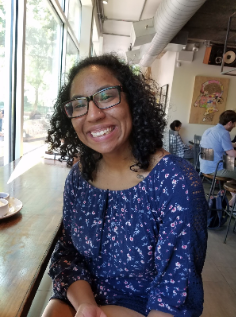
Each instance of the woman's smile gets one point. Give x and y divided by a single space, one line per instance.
99 133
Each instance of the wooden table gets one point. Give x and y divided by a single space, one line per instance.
28 238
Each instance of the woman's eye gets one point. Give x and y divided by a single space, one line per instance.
78 105
104 96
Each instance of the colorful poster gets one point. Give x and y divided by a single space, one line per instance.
209 99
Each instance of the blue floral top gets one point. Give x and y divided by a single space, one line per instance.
143 247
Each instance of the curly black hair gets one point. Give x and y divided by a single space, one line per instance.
148 117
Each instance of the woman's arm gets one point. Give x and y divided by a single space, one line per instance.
180 252
79 293
68 266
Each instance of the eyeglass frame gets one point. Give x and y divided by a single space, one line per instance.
90 98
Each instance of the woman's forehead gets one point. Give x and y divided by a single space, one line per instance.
95 71
91 78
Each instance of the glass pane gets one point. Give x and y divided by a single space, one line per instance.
42 70
74 16
95 40
62 4
72 53
2 70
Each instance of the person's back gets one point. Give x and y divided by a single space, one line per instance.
216 138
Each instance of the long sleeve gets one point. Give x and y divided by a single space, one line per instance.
67 265
180 252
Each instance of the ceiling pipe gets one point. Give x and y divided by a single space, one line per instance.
169 19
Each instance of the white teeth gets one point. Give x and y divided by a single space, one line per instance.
100 133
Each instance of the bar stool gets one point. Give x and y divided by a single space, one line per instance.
208 154
230 187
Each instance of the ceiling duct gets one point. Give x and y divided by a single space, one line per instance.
169 19
176 45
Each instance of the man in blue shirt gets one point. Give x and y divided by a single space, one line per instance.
218 139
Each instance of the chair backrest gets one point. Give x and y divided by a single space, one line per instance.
197 139
172 142
196 148
206 154
228 162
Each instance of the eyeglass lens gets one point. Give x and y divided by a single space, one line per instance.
103 99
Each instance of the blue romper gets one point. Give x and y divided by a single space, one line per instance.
143 247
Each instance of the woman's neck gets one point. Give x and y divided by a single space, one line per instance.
117 162
115 173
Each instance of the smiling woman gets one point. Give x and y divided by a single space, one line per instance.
134 226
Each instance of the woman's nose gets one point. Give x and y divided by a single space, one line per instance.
94 113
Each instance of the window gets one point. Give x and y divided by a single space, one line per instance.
72 53
95 40
62 4
74 17
38 42
42 70
2 78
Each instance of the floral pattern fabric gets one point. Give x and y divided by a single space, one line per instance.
142 248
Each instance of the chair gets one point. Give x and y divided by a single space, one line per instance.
230 187
172 142
228 164
208 154
196 148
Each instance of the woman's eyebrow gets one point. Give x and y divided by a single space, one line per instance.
99 89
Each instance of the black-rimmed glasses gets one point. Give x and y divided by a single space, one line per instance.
103 99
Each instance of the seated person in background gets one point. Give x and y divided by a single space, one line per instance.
183 150
218 139
134 225
234 142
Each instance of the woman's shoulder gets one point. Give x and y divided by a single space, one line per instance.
175 166
164 158
74 174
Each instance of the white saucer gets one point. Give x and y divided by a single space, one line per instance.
15 205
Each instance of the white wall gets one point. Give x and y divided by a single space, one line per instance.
182 91
163 70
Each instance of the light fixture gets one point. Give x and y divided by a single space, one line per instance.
105 1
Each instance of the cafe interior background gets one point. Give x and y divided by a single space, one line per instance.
169 41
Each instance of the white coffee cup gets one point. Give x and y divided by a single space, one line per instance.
4 207
4 196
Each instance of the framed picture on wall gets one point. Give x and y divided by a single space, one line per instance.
209 99
162 94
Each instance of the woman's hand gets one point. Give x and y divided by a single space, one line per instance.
89 310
